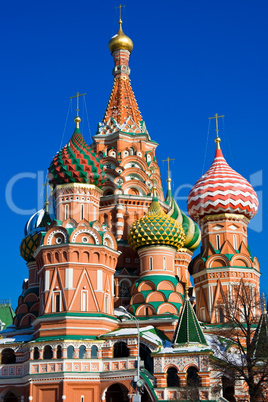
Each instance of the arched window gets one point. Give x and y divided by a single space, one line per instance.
48 354
8 356
66 211
59 352
164 263
218 242
193 377
82 352
36 354
94 352
70 352
124 289
150 263
131 151
121 349
172 377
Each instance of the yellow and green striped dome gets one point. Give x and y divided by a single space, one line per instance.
156 228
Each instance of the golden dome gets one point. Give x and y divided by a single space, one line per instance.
120 41
156 228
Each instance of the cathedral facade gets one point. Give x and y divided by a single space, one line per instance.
108 312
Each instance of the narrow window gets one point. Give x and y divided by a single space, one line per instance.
99 280
36 277
82 398
82 352
66 211
82 211
106 304
146 311
56 304
235 241
59 352
47 281
218 241
150 263
84 300
94 352
164 263
69 278
70 352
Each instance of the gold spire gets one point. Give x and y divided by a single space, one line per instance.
120 40
217 139
186 291
47 196
168 170
77 119
154 186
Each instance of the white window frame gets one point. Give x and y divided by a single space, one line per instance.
235 241
82 211
150 263
69 278
66 211
164 263
56 293
84 302
47 281
218 242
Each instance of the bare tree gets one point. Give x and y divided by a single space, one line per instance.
241 353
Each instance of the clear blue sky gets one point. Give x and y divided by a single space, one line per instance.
191 59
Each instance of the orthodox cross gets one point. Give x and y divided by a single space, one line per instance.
77 100
168 160
120 9
217 128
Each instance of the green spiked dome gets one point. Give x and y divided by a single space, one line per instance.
156 228
76 163
191 229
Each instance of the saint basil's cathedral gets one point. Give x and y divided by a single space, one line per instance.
108 312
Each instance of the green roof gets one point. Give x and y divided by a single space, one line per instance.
6 314
188 329
261 337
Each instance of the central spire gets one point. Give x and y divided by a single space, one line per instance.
122 112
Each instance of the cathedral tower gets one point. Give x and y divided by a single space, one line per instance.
222 202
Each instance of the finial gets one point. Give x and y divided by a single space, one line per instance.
168 178
120 15
264 304
217 139
77 119
154 186
186 291
47 196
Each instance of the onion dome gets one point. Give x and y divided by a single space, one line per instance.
221 190
33 228
156 228
76 163
120 41
191 229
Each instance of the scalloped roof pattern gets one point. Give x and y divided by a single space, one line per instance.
222 190
76 163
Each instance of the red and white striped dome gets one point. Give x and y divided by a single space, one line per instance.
222 190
